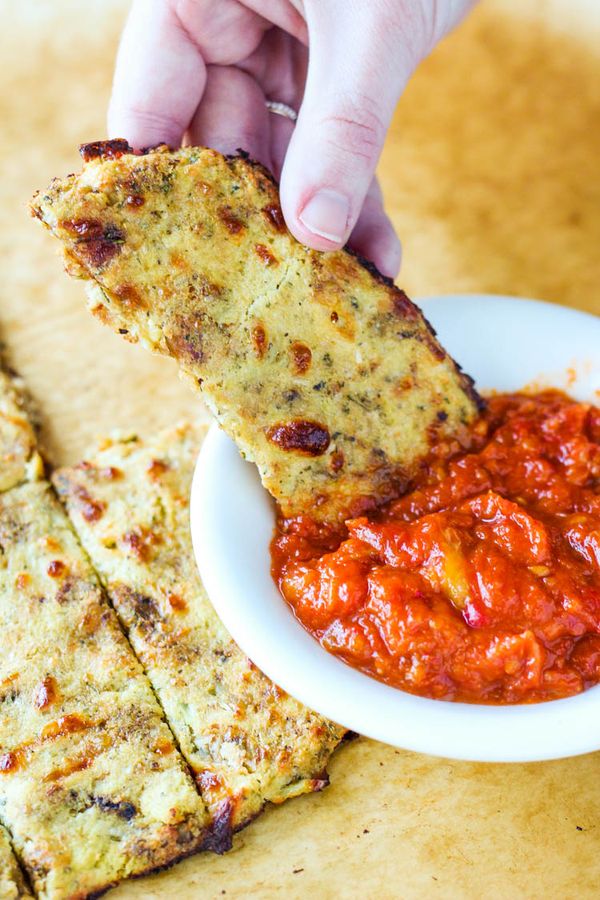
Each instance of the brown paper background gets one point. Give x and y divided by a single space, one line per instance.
491 173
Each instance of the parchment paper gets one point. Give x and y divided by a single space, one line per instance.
491 173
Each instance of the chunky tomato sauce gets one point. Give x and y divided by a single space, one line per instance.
482 583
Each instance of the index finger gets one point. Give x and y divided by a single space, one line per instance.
159 78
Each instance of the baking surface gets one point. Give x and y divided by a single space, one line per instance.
490 173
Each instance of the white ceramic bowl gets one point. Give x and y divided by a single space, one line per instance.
504 343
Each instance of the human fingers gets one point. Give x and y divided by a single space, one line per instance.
361 56
232 115
160 71
374 236
284 14
159 78
279 65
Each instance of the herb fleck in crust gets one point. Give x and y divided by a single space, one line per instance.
20 460
12 883
188 252
245 740
92 786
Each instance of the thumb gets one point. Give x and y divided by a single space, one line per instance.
357 71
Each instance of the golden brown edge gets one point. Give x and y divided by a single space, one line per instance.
22 880
219 839
396 293
220 830
163 852
26 402
220 835
117 147
151 870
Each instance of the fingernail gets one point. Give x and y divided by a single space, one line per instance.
326 215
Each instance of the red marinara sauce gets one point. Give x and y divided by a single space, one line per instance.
482 583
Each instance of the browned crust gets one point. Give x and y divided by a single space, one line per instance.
118 147
165 859
151 870
19 875
466 381
332 487
220 837
25 399
220 840
105 149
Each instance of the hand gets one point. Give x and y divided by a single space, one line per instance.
203 69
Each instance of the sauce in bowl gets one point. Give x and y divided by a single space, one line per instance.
481 584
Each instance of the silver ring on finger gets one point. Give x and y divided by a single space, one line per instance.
281 109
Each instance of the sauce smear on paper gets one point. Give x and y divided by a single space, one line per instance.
482 583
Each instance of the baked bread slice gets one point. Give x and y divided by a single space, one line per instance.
322 371
19 457
12 883
92 786
246 741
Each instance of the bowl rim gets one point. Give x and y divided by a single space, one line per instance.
233 568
